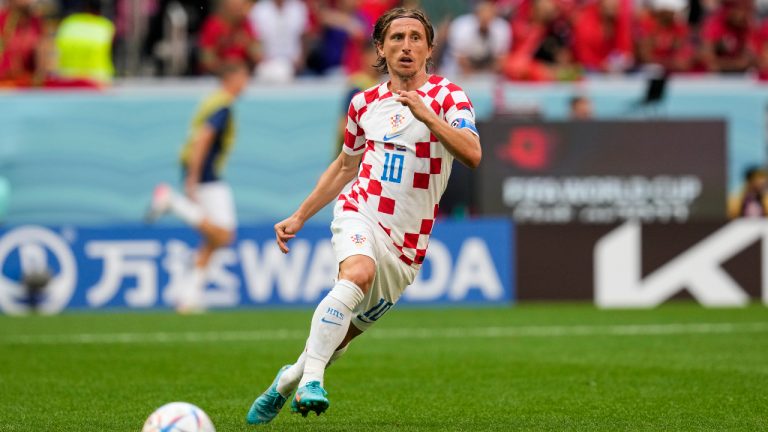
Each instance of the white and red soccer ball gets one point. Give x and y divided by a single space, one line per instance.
177 417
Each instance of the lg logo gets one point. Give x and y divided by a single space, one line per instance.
34 248
618 266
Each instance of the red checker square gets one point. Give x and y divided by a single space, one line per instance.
435 107
426 226
411 240
420 181
371 95
463 105
365 171
435 90
348 206
448 102
435 165
349 139
420 255
374 187
423 149
406 260
386 230
387 205
364 194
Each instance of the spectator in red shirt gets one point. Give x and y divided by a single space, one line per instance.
602 39
663 36
373 9
21 42
726 38
541 44
760 48
227 37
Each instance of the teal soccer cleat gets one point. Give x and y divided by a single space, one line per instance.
268 404
311 397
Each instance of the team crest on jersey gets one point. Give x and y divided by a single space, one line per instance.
396 121
358 239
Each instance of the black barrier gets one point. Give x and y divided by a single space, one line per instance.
602 172
630 265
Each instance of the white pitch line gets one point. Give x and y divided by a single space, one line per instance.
402 333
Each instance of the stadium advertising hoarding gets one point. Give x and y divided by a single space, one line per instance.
141 267
603 172
639 266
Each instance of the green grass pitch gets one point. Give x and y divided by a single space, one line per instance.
529 367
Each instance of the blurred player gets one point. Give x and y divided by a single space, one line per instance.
207 202
751 201
401 139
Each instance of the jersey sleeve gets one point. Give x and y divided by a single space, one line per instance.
218 120
354 135
458 110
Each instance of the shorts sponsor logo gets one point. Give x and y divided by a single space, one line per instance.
358 239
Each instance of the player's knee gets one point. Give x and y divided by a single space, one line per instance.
360 272
222 238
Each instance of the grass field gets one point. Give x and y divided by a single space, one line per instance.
533 367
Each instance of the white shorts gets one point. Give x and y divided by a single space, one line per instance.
354 234
218 205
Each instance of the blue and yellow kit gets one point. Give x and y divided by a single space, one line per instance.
215 111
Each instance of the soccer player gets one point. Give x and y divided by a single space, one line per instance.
401 139
207 202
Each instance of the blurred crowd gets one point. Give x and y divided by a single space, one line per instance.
88 42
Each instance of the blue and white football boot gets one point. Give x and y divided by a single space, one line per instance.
268 405
310 397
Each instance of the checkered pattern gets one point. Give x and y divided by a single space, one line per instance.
403 199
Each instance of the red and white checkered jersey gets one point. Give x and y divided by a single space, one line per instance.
404 168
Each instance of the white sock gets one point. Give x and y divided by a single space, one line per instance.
289 380
329 326
186 209
193 295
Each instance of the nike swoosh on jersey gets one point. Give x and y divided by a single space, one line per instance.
387 138
329 322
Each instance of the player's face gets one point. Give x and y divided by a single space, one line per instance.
238 81
406 48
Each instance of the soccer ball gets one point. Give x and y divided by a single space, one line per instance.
178 417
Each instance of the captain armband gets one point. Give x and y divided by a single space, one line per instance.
462 123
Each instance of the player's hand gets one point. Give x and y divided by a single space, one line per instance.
418 108
286 230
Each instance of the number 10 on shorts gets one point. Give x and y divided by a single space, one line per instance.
393 167
374 313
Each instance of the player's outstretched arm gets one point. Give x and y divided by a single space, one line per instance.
463 144
336 176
